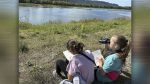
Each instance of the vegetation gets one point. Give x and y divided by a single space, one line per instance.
80 4
23 47
46 42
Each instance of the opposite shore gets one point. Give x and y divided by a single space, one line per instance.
72 5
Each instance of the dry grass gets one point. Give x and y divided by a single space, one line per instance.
45 43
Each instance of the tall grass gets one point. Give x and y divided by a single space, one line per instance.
87 31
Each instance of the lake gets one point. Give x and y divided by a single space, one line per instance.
39 15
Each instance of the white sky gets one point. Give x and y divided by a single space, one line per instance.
119 2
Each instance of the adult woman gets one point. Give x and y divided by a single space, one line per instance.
110 68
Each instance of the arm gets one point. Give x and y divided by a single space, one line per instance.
100 65
71 69
106 47
70 77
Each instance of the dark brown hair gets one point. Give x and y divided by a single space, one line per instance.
74 46
122 42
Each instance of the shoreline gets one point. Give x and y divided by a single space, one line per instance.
48 5
73 21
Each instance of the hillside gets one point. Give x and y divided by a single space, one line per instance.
83 3
96 3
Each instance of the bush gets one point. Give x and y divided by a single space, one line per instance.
23 25
23 47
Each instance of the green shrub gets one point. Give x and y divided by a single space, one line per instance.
24 25
23 47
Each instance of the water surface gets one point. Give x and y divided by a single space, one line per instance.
38 15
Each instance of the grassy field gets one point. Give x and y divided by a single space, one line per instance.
41 45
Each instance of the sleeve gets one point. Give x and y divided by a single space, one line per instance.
72 67
109 64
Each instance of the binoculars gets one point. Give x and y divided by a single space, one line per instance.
104 41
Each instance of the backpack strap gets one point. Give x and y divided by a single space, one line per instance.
88 58
95 68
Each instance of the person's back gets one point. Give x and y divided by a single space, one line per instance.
79 67
83 66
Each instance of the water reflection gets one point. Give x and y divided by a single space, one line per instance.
37 15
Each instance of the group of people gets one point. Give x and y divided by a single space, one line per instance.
81 69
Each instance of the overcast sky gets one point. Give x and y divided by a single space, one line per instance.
119 2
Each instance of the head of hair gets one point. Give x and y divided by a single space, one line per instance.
121 46
74 46
121 43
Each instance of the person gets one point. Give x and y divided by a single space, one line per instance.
79 66
60 70
110 69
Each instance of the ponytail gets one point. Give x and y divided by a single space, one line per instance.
75 46
122 47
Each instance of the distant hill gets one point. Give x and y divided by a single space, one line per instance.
96 3
83 3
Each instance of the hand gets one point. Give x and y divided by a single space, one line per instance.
100 61
106 47
70 77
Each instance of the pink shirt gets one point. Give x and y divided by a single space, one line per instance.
80 64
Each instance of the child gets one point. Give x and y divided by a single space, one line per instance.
110 69
79 65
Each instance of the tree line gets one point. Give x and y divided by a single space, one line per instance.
69 3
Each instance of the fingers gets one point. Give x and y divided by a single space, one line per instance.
99 61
